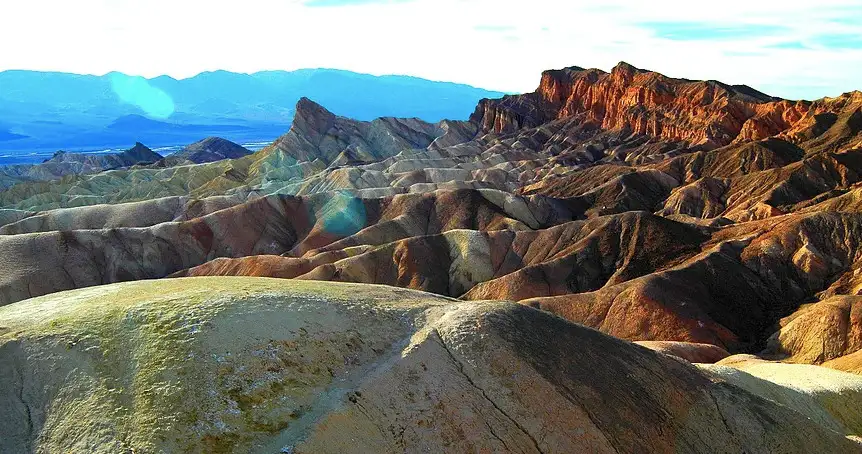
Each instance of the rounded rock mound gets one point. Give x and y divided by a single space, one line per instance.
228 364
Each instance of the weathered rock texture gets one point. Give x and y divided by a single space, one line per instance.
653 209
257 365
695 218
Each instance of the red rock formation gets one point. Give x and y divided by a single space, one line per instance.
707 114
647 207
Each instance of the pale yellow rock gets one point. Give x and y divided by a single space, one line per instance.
262 365
470 256
837 393
820 332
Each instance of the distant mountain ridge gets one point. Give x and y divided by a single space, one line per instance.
210 149
698 246
138 154
63 163
61 110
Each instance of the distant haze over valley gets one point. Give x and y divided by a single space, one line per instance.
45 111
649 240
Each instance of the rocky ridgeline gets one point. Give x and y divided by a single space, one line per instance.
619 204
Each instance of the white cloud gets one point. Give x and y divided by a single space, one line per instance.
501 44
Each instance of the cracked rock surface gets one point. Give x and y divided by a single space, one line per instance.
231 364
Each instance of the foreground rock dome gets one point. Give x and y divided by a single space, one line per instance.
237 364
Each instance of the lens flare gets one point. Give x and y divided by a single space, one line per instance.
137 91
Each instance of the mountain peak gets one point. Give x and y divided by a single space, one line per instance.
625 71
311 119
307 106
95 162
139 147
140 153
626 67
208 150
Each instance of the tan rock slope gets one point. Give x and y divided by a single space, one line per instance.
53 260
653 209
262 365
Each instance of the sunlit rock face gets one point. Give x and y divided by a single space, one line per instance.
263 365
554 211
704 114
699 220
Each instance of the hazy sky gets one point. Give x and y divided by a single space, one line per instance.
788 48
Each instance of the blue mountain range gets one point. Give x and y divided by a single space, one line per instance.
49 110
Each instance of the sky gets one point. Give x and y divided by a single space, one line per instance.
789 48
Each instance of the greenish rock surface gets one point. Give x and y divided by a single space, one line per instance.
263 365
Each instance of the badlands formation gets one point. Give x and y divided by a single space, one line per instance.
617 262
